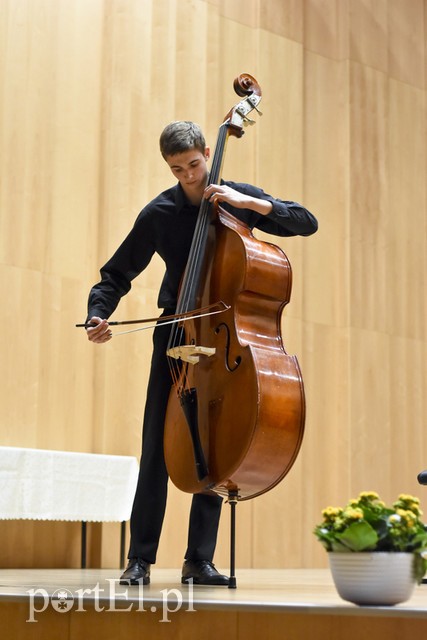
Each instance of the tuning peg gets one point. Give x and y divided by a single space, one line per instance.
247 121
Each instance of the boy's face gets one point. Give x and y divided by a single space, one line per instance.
190 169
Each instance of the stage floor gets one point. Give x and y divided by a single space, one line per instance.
281 595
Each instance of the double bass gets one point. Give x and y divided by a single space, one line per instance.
235 416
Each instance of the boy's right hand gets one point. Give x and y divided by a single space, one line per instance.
100 332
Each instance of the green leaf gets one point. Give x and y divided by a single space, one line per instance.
338 547
420 567
359 536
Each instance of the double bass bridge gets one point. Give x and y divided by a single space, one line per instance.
190 352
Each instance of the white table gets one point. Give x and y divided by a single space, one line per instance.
41 484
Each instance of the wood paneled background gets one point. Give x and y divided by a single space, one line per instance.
85 89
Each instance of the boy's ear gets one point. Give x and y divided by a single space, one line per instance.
207 153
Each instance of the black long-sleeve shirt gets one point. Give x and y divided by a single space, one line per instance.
165 226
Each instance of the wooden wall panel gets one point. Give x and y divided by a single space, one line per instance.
27 100
407 41
284 18
327 453
369 217
326 190
326 28
408 385
21 289
407 166
85 90
370 410
368 33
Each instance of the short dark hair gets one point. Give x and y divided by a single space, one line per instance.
180 136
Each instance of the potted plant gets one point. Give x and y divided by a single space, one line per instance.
376 552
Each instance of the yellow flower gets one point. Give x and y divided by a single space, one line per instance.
409 502
408 517
369 495
407 498
353 513
330 513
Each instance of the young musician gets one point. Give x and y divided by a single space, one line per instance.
165 226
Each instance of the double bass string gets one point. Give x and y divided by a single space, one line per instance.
178 332
195 259
185 302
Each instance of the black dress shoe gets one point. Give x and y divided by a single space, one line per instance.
137 572
202 572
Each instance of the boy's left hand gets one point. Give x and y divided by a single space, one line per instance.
222 193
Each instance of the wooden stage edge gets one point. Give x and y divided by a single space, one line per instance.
268 603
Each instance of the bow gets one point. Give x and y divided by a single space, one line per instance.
212 309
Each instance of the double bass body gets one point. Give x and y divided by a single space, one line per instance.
250 396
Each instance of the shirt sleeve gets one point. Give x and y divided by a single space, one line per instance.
287 218
132 257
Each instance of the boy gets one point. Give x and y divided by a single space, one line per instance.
165 226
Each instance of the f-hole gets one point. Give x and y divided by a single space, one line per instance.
238 360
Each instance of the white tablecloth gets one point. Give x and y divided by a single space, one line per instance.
40 484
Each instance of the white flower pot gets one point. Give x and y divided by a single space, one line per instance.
377 578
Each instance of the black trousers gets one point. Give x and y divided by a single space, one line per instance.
151 493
